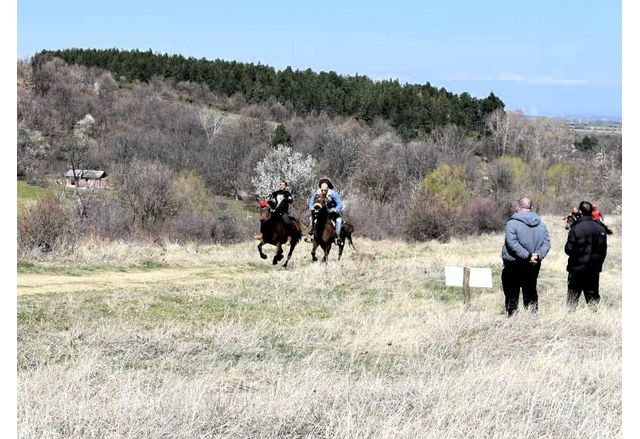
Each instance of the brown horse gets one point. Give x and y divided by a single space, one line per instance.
324 232
571 218
274 231
575 215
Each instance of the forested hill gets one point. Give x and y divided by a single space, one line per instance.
410 108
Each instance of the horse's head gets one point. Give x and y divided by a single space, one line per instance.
571 218
265 211
319 203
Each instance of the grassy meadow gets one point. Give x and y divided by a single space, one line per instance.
195 341
28 194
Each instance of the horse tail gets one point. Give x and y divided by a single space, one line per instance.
351 241
348 230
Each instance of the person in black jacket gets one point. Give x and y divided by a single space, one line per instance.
587 249
281 200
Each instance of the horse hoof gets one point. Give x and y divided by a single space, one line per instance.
263 256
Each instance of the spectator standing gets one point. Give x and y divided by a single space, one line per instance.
587 249
526 243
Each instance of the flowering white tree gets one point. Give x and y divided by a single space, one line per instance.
77 147
284 163
84 129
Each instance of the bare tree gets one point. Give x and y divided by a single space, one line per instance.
212 121
382 170
75 149
506 132
341 153
419 158
146 190
32 149
450 140
546 138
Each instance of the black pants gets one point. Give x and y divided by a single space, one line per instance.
284 214
520 275
589 283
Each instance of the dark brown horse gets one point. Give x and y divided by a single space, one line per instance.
575 215
274 231
324 232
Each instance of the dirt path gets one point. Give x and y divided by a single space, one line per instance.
33 283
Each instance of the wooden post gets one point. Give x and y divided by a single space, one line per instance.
466 291
461 277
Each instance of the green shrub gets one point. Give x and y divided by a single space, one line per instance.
517 168
446 183
189 187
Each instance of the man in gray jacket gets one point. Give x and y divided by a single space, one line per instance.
526 243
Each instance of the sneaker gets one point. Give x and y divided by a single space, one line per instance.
338 241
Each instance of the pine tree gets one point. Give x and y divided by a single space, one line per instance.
280 137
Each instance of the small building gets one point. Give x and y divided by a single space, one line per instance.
87 179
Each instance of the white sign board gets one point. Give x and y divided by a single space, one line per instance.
478 277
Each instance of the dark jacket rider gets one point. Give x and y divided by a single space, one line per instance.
280 201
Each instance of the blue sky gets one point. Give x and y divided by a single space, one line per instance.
546 57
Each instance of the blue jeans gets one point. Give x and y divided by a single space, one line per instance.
338 225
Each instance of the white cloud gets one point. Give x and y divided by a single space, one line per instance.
512 77
468 77
557 81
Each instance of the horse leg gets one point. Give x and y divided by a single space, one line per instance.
278 255
326 252
293 245
262 255
340 248
313 251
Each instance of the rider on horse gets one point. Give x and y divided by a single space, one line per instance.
280 201
334 205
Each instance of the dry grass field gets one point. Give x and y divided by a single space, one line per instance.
138 341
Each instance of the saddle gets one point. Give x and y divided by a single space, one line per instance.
313 225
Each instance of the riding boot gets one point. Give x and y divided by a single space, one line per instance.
309 238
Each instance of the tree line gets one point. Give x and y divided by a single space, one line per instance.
410 108
178 154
